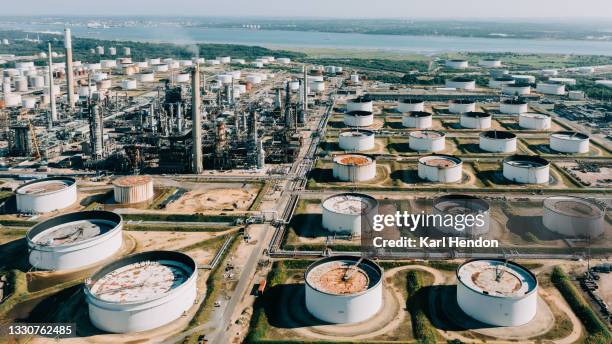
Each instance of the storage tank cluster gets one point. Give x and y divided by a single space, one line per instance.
347 212
46 195
534 121
359 104
356 140
411 104
513 106
133 189
440 168
475 120
569 142
344 289
497 292
573 216
456 64
74 240
354 167
462 83
156 288
417 119
358 118
461 106
456 204
551 88
526 169
498 141
427 140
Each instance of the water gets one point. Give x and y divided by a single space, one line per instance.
277 38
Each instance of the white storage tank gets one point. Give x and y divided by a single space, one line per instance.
354 167
348 212
550 72
85 91
513 106
183 78
465 205
427 140
534 121
154 61
107 64
332 298
74 240
36 81
462 83
317 86
294 85
490 63
516 89
359 104
569 142
104 84
417 119
475 120
456 64
225 79
133 189
411 104
498 141
358 118
501 81
461 106
440 168
254 79
356 140
551 88
239 61
157 288
46 195
497 292
526 169
160 68
573 217
524 78
28 102
283 60
129 84
146 77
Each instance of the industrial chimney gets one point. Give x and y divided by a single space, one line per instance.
196 118
69 69
53 116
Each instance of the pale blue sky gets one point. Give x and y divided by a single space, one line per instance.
317 8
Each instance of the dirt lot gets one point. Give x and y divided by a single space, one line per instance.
215 197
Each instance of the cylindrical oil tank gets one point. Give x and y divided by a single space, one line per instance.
129 84
157 288
354 78
142 64
411 104
100 76
12 100
107 64
501 81
490 63
354 167
535 121
294 85
497 292
154 61
475 120
104 84
462 83
513 106
283 60
551 88
146 77
456 64
183 78
356 140
332 299
28 102
133 189
475 212
317 86
348 212
524 78
239 61
550 72
45 195
85 91
427 140
21 84
36 81
74 240
225 78
253 79
526 169
461 106
359 104
160 68
440 168
498 141
516 90
573 216
569 142
417 119
358 118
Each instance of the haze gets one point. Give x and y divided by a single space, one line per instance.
320 8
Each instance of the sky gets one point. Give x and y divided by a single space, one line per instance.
318 8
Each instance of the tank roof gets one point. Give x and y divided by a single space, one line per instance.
45 186
419 114
360 100
427 134
357 132
353 159
514 101
350 203
570 135
412 101
497 278
499 135
141 277
460 204
440 160
574 206
526 161
534 115
462 79
132 180
462 101
359 113
478 114
339 275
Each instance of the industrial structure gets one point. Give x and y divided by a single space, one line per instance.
133 189
526 169
456 204
573 216
461 106
417 119
411 104
74 240
354 167
497 292
513 106
427 140
534 121
497 141
358 118
348 213
475 120
46 195
356 140
344 289
142 291
440 168
569 142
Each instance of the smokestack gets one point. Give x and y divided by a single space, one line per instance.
53 116
69 69
196 117
278 99
305 99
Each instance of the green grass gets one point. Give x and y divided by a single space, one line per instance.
423 330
